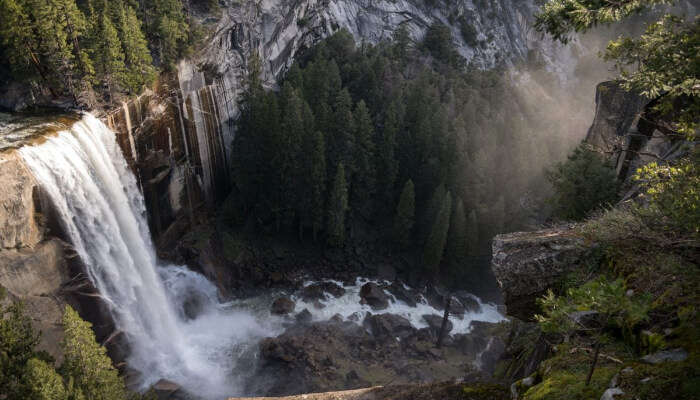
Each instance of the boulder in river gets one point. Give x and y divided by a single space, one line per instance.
282 306
317 291
304 317
389 326
408 296
373 295
435 323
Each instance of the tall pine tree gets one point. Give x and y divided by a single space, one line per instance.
364 175
435 244
405 215
136 54
337 207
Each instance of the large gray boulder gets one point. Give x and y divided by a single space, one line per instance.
372 294
526 264
18 200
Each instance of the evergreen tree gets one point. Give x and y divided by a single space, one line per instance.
404 216
430 214
289 154
44 382
435 245
20 42
457 237
169 29
337 207
472 233
316 175
387 165
17 342
364 176
86 362
136 54
341 141
110 57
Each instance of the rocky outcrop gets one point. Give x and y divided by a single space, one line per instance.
36 266
336 355
526 264
18 202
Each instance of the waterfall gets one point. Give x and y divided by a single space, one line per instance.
174 323
102 211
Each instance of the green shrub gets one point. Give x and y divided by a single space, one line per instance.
583 183
673 192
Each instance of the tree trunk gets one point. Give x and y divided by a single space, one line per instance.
445 319
595 361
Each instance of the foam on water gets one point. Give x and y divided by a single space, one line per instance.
349 304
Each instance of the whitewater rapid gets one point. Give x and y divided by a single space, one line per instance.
174 322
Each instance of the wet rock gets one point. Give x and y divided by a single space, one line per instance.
402 294
304 317
374 296
389 325
355 317
336 318
611 393
526 264
435 323
673 355
165 389
318 290
282 306
466 301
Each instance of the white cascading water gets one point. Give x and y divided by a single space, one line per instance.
172 318
84 173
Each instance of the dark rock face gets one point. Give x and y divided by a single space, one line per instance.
408 296
374 296
616 111
526 264
282 306
317 291
323 356
435 323
304 317
391 326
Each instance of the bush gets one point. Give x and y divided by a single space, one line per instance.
583 183
673 192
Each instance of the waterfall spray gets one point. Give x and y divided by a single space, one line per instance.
102 211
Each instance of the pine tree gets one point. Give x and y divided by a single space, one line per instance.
43 381
387 164
168 28
86 362
110 58
316 175
431 212
337 207
404 216
472 234
289 154
342 135
435 245
17 342
457 237
21 44
364 175
136 54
